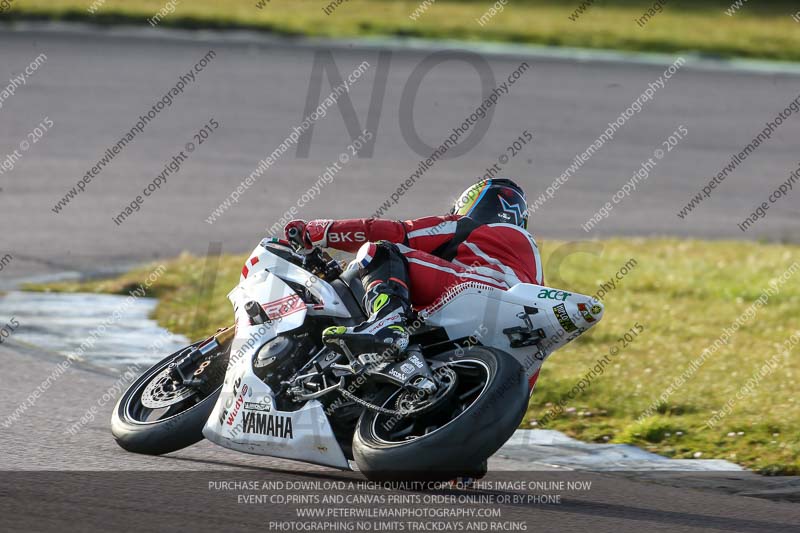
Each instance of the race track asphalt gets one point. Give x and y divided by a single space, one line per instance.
51 479
95 84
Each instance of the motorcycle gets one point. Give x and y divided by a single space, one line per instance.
267 385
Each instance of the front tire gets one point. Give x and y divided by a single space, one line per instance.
488 406
156 431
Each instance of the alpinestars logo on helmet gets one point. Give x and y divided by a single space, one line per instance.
509 210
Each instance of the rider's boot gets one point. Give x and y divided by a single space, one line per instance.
384 273
384 331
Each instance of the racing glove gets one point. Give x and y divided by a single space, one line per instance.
295 231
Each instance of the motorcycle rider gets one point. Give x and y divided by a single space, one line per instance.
483 241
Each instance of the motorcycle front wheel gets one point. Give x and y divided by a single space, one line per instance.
157 416
455 438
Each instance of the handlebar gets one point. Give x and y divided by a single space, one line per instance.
321 264
315 259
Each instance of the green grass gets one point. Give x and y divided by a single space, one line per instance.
683 292
760 29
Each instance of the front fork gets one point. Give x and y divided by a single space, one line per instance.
201 358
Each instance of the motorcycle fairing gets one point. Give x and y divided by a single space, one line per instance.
245 418
482 313
262 259
253 425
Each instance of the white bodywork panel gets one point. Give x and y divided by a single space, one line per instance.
481 313
245 418
245 395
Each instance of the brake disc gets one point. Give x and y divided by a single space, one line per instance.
163 392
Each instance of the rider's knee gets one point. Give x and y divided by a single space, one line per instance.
371 253
366 254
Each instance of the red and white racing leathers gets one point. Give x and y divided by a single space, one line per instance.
442 252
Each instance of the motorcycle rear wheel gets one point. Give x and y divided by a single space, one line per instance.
452 440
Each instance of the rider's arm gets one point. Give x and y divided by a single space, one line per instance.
429 233
349 234
425 234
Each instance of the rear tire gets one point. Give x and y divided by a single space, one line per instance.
178 429
459 446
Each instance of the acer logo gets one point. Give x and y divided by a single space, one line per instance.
347 236
554 294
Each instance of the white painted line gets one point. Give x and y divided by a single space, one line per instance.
547 449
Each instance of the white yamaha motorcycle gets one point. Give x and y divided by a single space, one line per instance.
268 386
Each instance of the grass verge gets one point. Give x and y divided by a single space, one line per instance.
757 30
683 293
